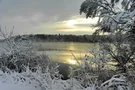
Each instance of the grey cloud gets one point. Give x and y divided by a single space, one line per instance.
26 14
61 8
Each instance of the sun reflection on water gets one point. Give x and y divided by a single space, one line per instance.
71 61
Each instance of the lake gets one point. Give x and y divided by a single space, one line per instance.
66 52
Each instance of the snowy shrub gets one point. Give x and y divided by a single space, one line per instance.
117 82
40 81
19 52
84 74
84 77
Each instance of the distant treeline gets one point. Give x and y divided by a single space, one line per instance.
67 38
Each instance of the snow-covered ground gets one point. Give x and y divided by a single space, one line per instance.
15 81
11 86
30 81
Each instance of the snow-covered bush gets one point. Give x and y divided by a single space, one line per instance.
84 76
17 53
39 80
117 82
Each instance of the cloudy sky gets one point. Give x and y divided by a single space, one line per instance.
44 16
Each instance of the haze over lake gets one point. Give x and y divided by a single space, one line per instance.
62 51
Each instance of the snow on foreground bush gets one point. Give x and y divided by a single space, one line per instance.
36 81
43 81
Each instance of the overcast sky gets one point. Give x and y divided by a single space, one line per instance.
44 16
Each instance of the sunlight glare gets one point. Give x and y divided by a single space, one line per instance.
72 61
71 22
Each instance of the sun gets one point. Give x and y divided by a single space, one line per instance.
71 22
71 61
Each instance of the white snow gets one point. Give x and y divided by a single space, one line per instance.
11 81
10 86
